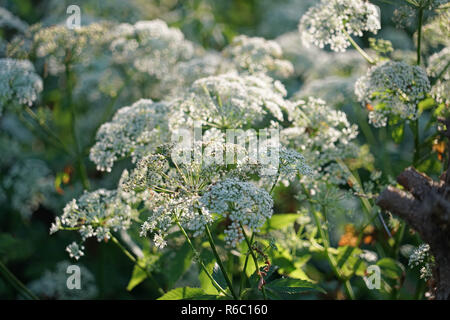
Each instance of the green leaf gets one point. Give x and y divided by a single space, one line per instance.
390 268
12 248
293 286
279 221
349 262
398 133
219 277
137 277
176 263
188 293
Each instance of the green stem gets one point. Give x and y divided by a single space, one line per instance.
244 269
16 283
419 35
80 162
219 262
136 262
275 182
330 258
359 49
199 261
399 238
255 259
415 130
47 130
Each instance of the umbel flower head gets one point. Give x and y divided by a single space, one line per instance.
255 55
392 89
134 131
241 202
210 63
31 184
177 178
59 45
174 178
331 22
322 135
19 83
231 101
95 214
150 46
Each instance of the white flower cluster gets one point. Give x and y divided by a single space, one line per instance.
95 214
438 67
53 284
256 55
436 33
150 46
231 101
322 135
173 186
240 202
134 131
31 184
331 22
210 63
421 256
19 83
60 45
182 190
8 20
75 250
392 89
432 4
291 164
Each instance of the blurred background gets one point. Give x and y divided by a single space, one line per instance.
37 180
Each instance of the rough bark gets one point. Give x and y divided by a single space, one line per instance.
425 205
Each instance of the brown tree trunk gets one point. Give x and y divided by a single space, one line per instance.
425 205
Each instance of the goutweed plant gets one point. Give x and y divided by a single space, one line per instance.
249 169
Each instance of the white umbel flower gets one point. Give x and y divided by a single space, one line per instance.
75 250
231 101
240 202
331 22
19 83
134 131
31 184
95 214
255 55
150 46
392 89
322 135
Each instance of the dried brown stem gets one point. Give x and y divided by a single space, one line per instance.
425 205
